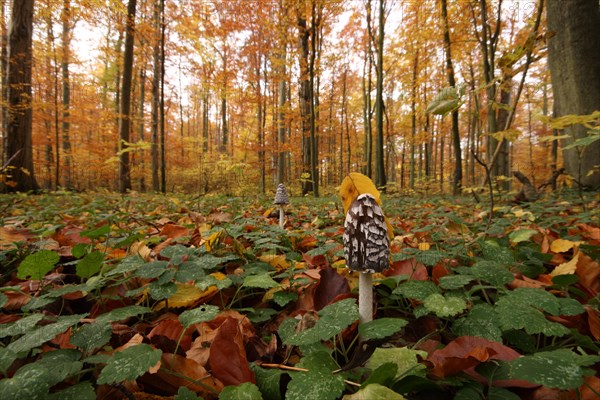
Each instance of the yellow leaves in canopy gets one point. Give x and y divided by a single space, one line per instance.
355 184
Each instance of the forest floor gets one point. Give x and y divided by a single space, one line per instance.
171 296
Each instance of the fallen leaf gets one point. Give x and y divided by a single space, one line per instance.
279 261
177 371
467 352
227 360
330 286
566 268
562 245
593 318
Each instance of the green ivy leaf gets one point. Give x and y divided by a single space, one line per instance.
385 375
406 360
452 282
44 333
26 384
35 266
282 298
481 321
80 391
491 272
162 291
184 393
560 369
245 391
122 313
521 235
153 269
262 281
333 319
381 328
90 264
21 326
97 232
319 382
92 336
127 265
445 306
268 381
129 364
374 391
418 290
205 312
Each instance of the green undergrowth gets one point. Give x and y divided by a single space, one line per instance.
114 296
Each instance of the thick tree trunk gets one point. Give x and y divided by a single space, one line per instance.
19 158
574 60
125 114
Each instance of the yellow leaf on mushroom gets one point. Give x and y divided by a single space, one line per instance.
355 184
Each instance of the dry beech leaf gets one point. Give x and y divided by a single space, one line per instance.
228 362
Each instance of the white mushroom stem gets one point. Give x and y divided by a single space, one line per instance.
365 297
281 216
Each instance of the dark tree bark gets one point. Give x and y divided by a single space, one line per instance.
458 175
125 109
19 159
574 60
155 115
66 93
380 178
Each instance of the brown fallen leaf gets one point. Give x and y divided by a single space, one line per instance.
227 360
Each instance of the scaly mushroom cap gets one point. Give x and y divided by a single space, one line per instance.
281 195
366 240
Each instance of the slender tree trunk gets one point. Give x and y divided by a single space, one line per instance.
125 114
141 126
281 124
305 101
367 86
314 100
413 119
457 182
3 75
380 178
163 162
154 114
66 94
19 156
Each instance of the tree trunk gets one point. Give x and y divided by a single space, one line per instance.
305 100
281 124
66 94
457 182
380 178
367 86
155 101
574 60
19 157
125 109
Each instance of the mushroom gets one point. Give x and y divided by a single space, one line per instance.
281 199
366 248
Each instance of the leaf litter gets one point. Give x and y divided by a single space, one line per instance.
155 295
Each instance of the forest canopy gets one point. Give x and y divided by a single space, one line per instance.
228 96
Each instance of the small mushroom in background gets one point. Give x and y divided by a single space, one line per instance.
366 247
281 199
